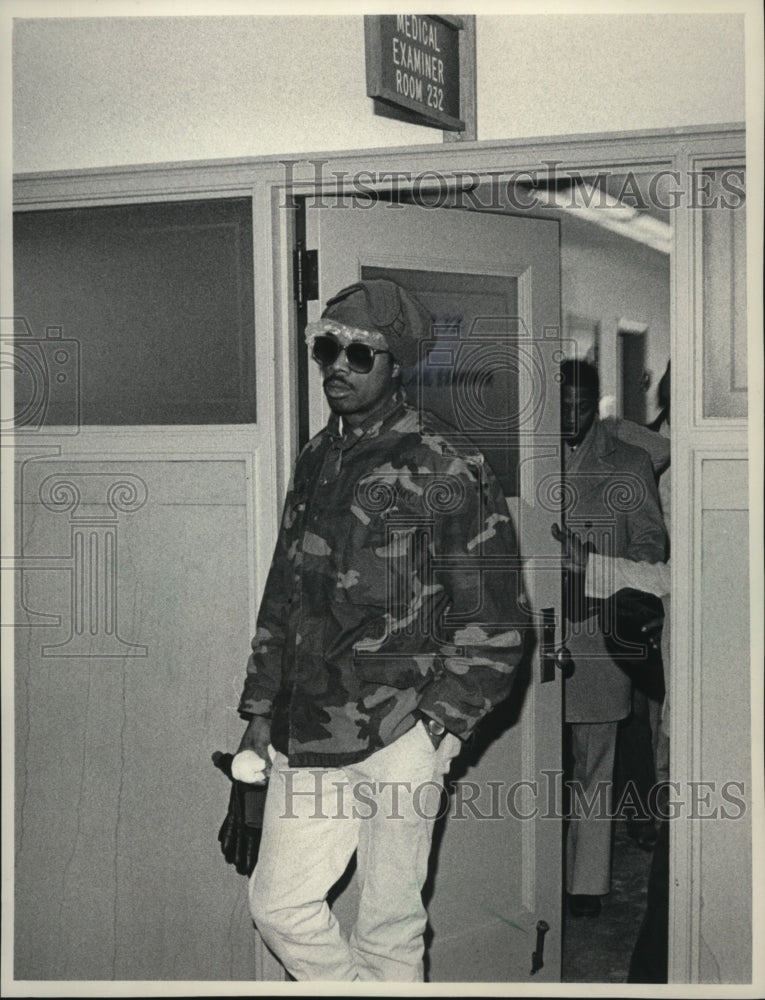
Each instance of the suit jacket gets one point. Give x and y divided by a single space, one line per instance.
611 500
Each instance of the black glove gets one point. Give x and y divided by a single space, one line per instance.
240 831
577 606
631 621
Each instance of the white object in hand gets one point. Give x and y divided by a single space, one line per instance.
249 767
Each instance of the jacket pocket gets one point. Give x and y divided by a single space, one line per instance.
383 564
398 659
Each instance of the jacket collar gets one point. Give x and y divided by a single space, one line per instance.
387 413
598 443
603 442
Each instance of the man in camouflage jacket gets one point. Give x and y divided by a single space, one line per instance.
389 627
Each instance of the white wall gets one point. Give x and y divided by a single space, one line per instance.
556 74
607 278
91 92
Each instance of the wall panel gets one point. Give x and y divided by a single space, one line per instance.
119 873
725 696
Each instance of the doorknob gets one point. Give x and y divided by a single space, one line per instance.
550 656
564 660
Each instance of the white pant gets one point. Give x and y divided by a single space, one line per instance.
588 846
315 818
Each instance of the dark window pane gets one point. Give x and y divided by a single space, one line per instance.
135 314
470 378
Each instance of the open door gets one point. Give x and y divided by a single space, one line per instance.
492 282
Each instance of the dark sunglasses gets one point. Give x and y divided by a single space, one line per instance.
360 357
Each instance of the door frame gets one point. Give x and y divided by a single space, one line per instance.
525 252
270 180
684 152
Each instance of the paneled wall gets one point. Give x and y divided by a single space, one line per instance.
725 696
712 680
723 295
128 684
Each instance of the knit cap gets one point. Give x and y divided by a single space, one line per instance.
382 306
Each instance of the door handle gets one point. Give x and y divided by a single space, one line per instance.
552 658
564 660
537 956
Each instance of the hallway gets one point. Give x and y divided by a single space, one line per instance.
599 950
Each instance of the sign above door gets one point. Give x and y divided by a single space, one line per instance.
413 68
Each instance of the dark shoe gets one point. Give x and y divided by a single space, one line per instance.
647 839
644 834
583 906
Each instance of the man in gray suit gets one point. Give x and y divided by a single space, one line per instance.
611 503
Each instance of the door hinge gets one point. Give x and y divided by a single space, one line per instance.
306 275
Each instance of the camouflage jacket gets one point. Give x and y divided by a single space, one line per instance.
394 586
